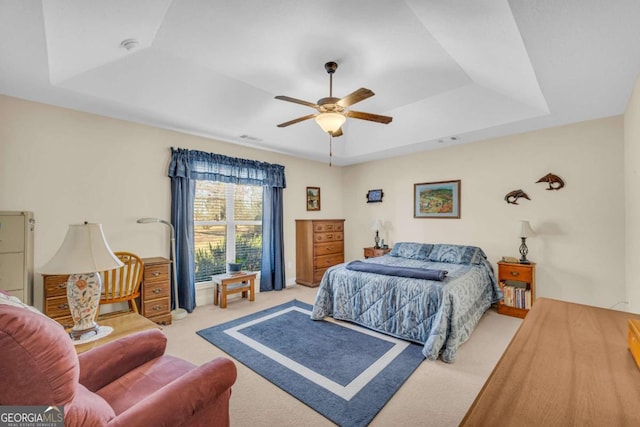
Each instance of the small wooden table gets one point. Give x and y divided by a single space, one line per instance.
122 326
227 284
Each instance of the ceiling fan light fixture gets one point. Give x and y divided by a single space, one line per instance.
330 122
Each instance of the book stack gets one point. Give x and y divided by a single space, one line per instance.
516 296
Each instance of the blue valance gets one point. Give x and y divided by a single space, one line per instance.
216 167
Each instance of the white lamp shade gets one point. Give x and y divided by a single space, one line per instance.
376 225
330 122
526 230
84 250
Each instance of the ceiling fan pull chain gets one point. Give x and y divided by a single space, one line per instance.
330 149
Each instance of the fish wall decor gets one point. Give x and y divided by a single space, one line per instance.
513 196
554 181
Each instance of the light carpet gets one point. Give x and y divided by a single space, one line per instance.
345 372
436 394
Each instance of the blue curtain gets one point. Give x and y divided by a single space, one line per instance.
183 190
272 275
186 167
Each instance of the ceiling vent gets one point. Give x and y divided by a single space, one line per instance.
250 138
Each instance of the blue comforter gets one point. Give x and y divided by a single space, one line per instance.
439 314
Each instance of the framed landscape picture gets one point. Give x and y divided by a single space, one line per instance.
436 199
313 198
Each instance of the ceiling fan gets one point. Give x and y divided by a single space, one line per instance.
333 112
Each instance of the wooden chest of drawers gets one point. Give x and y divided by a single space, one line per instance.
55 299
319 245
155 295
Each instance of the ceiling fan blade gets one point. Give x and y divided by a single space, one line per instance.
297 101
294 121
357 96
337 133
368 116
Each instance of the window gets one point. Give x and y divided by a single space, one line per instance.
227 227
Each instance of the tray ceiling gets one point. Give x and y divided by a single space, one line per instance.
448 72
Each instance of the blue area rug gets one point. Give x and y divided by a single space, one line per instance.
345 372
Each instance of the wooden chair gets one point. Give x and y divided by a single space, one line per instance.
123 283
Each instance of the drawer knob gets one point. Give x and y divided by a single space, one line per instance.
63 306
157 308
62 285
329 236
156 273
514 273
157 290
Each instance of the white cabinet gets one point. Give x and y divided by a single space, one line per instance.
16 254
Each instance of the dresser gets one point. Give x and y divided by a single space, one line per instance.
155 293
55 299
16 254
319 245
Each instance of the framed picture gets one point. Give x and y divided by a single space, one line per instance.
374 196
313 198
436 199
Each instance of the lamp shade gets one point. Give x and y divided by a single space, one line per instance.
330 122
84 250
526 230
376 225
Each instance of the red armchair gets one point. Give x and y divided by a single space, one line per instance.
127 382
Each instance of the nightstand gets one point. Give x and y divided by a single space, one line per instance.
372 252
155 291
518 284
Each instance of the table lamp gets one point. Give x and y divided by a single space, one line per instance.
177 313
376 226
525 231
83 253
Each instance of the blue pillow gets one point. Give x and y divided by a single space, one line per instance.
457 254
411 250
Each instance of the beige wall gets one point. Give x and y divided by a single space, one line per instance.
632 192
68 167
579 249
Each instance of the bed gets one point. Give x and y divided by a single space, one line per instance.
440 314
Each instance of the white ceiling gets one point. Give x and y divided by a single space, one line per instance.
463 69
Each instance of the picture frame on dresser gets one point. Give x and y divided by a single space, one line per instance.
439 199
313 198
